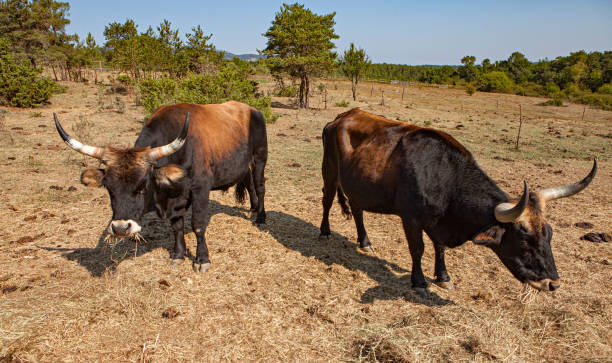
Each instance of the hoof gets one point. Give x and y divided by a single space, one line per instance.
175 261
368 249
324 237
261 218
423 292
201 267
448 285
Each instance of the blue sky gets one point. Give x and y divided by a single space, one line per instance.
406 32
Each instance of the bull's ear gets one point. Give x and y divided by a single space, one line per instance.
168 175
92 177
490 237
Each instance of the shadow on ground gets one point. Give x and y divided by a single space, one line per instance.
276 104
106 256
290 231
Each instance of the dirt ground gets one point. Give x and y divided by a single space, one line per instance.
275 292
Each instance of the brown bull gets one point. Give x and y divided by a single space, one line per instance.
433 184
219 145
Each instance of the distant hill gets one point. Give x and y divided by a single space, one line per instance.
244 57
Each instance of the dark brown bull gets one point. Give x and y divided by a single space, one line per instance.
219 145
433 184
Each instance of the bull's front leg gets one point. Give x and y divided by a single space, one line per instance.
442 278
199 221
178 253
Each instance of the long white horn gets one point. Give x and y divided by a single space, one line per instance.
568 190
509 212
161 151
93 151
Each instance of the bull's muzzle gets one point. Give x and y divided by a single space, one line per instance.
545 284
124 227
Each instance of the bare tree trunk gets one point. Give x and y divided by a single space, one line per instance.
54 74
354 89
307 92
304 90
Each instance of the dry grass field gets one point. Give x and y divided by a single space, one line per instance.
275 292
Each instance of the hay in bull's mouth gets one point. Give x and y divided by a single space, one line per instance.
112 240
528 294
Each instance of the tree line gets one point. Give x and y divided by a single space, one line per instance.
580 76
300 45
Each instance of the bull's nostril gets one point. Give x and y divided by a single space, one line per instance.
553 286
113 228
127 227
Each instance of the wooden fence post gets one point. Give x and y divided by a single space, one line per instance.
326 97
520 125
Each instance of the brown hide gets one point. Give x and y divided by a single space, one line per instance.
223 125
364 143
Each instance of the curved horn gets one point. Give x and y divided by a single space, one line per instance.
508 212
92 151
568 190
162 151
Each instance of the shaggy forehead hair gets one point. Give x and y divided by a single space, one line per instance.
126 165
533 217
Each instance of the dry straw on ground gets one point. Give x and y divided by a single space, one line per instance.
277 293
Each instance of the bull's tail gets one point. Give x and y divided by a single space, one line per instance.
346 211
241 190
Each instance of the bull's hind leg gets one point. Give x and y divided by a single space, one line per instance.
259 163
414 235
329 191
199 221
362 235
251 189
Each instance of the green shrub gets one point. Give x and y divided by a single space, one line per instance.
20 85
286 91
602 101
124 79
495 82
553 102
572 90
155 92
530 89
606 88
342 104
230 83
551 88
470 88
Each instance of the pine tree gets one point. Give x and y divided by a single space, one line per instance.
354 65
300 44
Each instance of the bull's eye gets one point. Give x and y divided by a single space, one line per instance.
140 189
